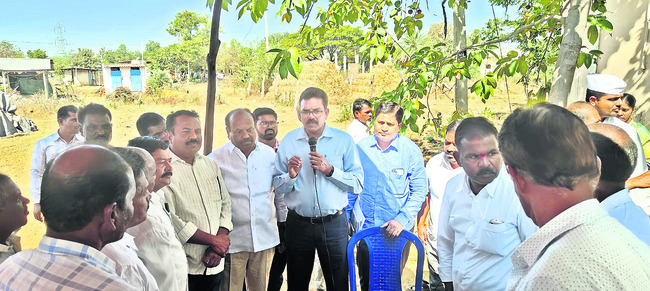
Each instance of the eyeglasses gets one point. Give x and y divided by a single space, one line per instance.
268 123
315 112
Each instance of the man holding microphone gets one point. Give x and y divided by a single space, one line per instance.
316 193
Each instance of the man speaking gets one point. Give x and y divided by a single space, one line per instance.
315 184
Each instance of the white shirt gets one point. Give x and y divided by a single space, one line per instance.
159 248
357 130
128 265
581 249
477 233
641 166
439 172
249 182
46 149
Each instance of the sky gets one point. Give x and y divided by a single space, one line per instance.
31 24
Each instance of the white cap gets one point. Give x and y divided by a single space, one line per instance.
607 84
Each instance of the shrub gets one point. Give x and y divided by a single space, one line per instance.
157 81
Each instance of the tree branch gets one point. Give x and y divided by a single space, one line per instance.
302 27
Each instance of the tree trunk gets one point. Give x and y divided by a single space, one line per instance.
574 25
212 77
460 42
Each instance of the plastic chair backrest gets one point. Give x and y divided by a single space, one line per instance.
385 259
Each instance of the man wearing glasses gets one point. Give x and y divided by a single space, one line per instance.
316 193
266 124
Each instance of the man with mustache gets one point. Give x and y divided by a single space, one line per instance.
158 247
152 124
49 147
96 127
440 169
316 193
199 198
395 182
266 124
13 216
362 111
481 221
247 168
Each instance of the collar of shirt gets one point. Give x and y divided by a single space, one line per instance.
5 247
533 248
489 188
231 148
129 241
56 246
327 132
76 137
360 123
394 144
176 158
618 198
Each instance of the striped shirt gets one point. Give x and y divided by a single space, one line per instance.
60 265
199 198
45 150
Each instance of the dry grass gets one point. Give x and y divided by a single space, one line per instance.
383 78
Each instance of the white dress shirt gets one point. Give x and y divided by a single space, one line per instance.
128 265
46 149
439 172
358 130
478 233
641 166
159 248
254 205
620 206
582 248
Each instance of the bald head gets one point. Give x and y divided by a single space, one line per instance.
585 111
616 151
79 183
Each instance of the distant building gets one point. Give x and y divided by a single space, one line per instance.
28 76
83 76
129 74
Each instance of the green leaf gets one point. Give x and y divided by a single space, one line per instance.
606 25
512 54
588 60
422 81
418 16
592 34
596 53
512 68
241 12
274 50
581 60
522 66
283 69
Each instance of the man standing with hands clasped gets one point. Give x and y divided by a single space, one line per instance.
316 195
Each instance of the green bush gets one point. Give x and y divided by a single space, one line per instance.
157 81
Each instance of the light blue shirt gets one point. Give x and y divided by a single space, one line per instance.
478 233
300 195
394 183
621 207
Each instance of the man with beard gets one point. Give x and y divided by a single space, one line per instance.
316 193
552 160
86 201
362 110
395 182
247 168
440 169
13 215
266 124
123 251
96 127
158 247
481 221
152 124
49 147
198 196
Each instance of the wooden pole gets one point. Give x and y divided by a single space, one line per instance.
212 77
47 94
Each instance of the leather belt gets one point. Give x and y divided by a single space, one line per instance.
316 220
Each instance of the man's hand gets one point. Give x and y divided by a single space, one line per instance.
294 164
37 212
319 162
211 258
422 232
220 244
641 181
393 228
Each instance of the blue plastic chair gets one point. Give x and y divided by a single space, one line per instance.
385 259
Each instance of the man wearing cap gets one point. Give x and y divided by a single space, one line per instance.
604 92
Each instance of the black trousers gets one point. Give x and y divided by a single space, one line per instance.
204 282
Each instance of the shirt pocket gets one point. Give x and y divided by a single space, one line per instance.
498 239
398 179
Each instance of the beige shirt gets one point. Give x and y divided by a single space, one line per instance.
199 198
582 248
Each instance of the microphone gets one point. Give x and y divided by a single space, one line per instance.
312 144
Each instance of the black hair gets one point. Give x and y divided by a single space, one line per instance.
313 92
64 112
474 126
171 118
93 108
147 120
593 93
390 107
135 160
617 163
263 111
359 103
148 143
629 100
453 126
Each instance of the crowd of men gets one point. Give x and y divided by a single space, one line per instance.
542 203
